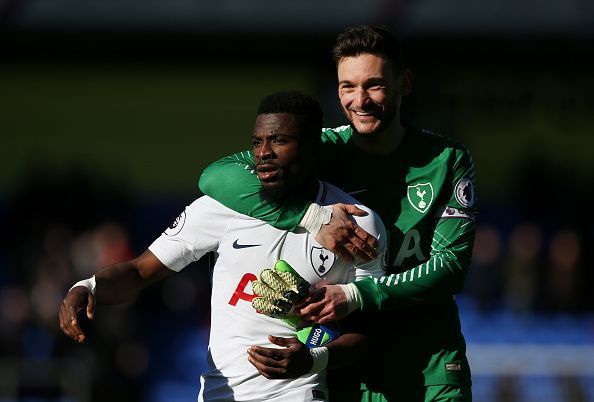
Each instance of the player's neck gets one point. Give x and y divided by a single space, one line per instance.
306 188
384 142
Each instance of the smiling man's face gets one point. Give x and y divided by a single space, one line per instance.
367 92
280 153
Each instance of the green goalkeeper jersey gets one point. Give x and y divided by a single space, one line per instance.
424 192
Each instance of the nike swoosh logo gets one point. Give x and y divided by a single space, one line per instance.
357 191
237 245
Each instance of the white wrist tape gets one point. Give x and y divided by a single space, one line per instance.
353 297
316 216
320 359
90 284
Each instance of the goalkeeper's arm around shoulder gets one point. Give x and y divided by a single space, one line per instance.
334 302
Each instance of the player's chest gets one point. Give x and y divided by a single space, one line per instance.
408 198
253 247
401 194
249 247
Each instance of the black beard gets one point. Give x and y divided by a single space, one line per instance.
307 188
274 194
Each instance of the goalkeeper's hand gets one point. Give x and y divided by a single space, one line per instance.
278 289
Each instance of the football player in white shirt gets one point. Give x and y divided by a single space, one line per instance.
286 143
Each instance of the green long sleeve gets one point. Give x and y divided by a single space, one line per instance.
232 182
439 277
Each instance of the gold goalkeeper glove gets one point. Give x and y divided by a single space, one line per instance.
278 289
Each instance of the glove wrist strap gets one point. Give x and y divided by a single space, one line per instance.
320 359
353 297
316 216
90 284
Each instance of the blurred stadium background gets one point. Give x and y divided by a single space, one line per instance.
109 110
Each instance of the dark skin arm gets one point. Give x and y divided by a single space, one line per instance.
118 283
293 359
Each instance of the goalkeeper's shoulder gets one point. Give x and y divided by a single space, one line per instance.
371 223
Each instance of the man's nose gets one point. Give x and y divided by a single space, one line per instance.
361 97
265 151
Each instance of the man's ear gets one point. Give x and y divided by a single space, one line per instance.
405 82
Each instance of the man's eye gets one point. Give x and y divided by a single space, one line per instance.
256 143
279 141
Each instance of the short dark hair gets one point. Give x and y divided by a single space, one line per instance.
306 109
377 40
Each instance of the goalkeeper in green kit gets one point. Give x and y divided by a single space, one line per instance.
422 185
